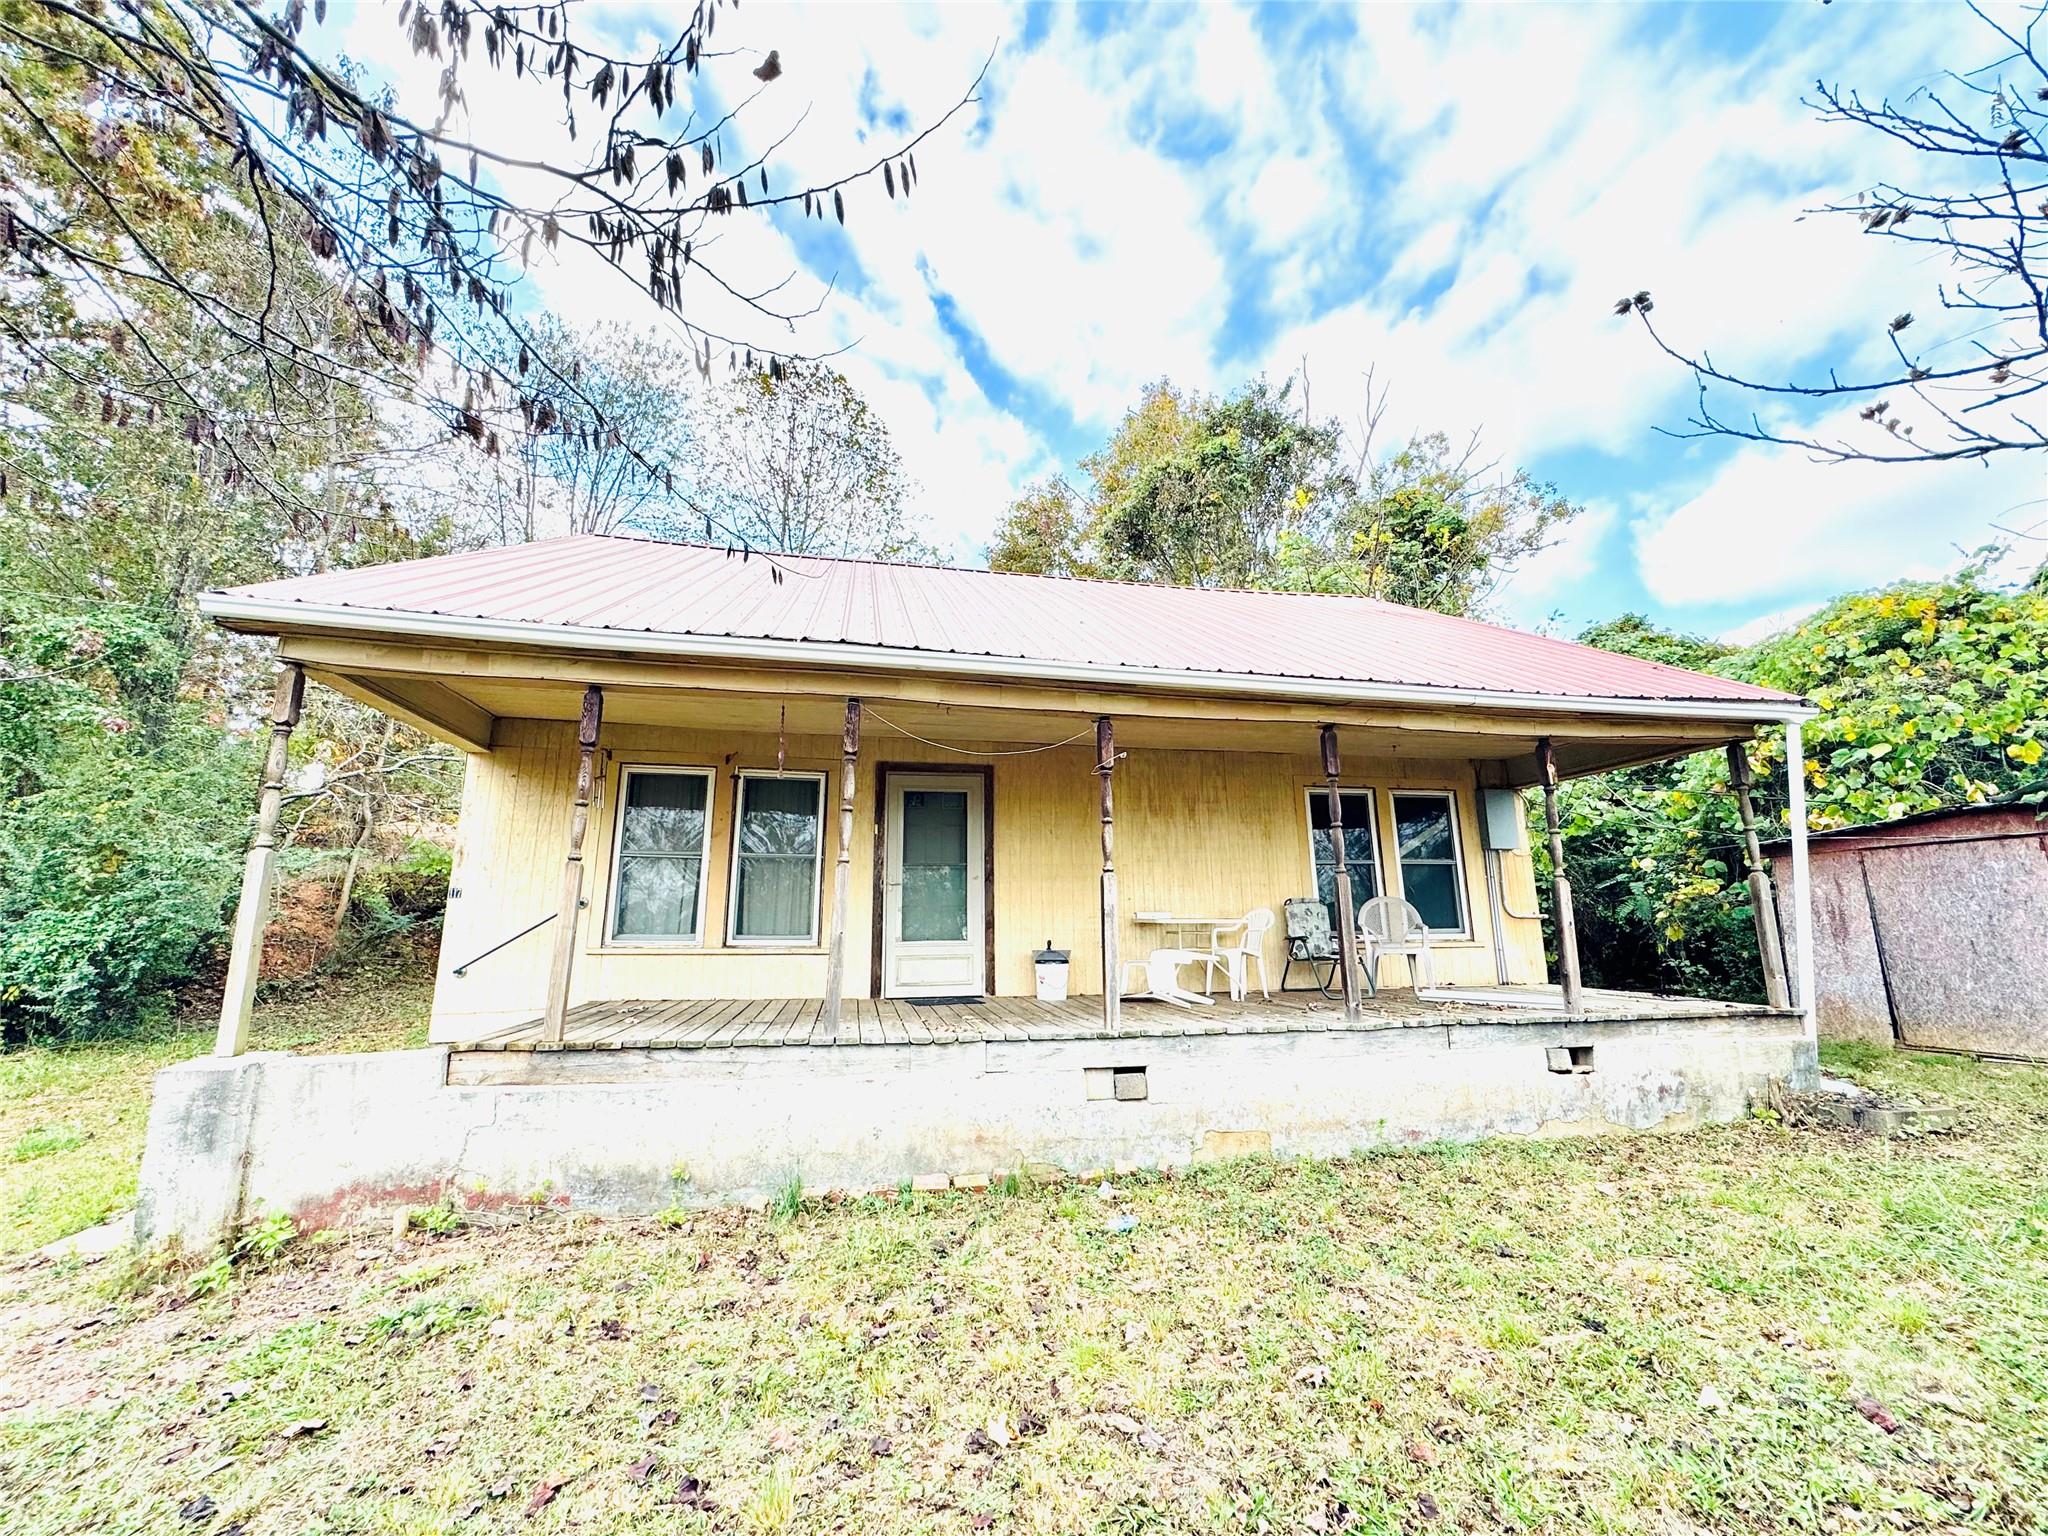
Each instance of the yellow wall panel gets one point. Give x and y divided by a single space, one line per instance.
1198 833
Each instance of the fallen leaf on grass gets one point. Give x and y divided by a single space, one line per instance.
544 1493
649 1392
1873 1410
1425 1506
881 1445
1316 1375
641 1470
1711 1399
1422 1453
201 1508
304 1427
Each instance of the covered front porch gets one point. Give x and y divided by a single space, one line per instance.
1115 826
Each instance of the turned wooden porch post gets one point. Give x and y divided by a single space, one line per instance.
842 871
1112 973
1347 926
1770 949
252 912
556 1021
1561 887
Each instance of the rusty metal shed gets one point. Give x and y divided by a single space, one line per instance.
1931 932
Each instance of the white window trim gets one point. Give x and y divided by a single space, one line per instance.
733 936
694 939
1315 835
1450 799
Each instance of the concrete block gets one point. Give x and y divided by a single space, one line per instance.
202 1118
970 1181
931 1183
1218 1145
1129 1085
1569 1058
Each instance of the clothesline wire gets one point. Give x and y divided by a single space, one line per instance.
972 752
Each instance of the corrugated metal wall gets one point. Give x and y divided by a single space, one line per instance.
1935 935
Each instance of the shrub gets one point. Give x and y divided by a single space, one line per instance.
116 872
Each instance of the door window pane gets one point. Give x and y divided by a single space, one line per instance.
1428 844
1360 856
662 823
934 865
775 873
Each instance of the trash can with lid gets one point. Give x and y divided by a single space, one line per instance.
1051 968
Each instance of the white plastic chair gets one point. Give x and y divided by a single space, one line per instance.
1388 925
1236 957
1161 973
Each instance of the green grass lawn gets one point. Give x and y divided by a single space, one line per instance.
1748 1328
72 1118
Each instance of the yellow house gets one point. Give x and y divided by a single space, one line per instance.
720 800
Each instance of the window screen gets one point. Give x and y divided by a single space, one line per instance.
1427 838
775 860
1361 856
663 821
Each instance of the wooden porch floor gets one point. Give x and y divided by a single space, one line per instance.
719 1023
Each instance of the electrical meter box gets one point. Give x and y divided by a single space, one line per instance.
1504 821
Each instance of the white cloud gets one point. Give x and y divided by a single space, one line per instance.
1550 575
1546 158
1774 522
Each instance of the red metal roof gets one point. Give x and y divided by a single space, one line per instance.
633 586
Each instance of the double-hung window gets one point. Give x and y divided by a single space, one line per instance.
778 842
1361 849
664 827
1432 879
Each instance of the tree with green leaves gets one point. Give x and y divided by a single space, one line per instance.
1250 490
1931 694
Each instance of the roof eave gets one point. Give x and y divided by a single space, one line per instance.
277 615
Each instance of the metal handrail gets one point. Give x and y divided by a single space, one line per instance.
522 933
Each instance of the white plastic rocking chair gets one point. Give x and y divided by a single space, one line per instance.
1388 925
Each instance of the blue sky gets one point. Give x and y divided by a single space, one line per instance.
1448 196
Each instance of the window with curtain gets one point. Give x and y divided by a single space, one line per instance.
776 846
1426 835
658 871
1361 854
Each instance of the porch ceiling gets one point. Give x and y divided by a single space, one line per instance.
460 696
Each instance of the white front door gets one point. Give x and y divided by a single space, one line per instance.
934 887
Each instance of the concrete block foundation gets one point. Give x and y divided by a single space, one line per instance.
336 1139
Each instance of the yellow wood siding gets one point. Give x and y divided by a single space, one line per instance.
1197 833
